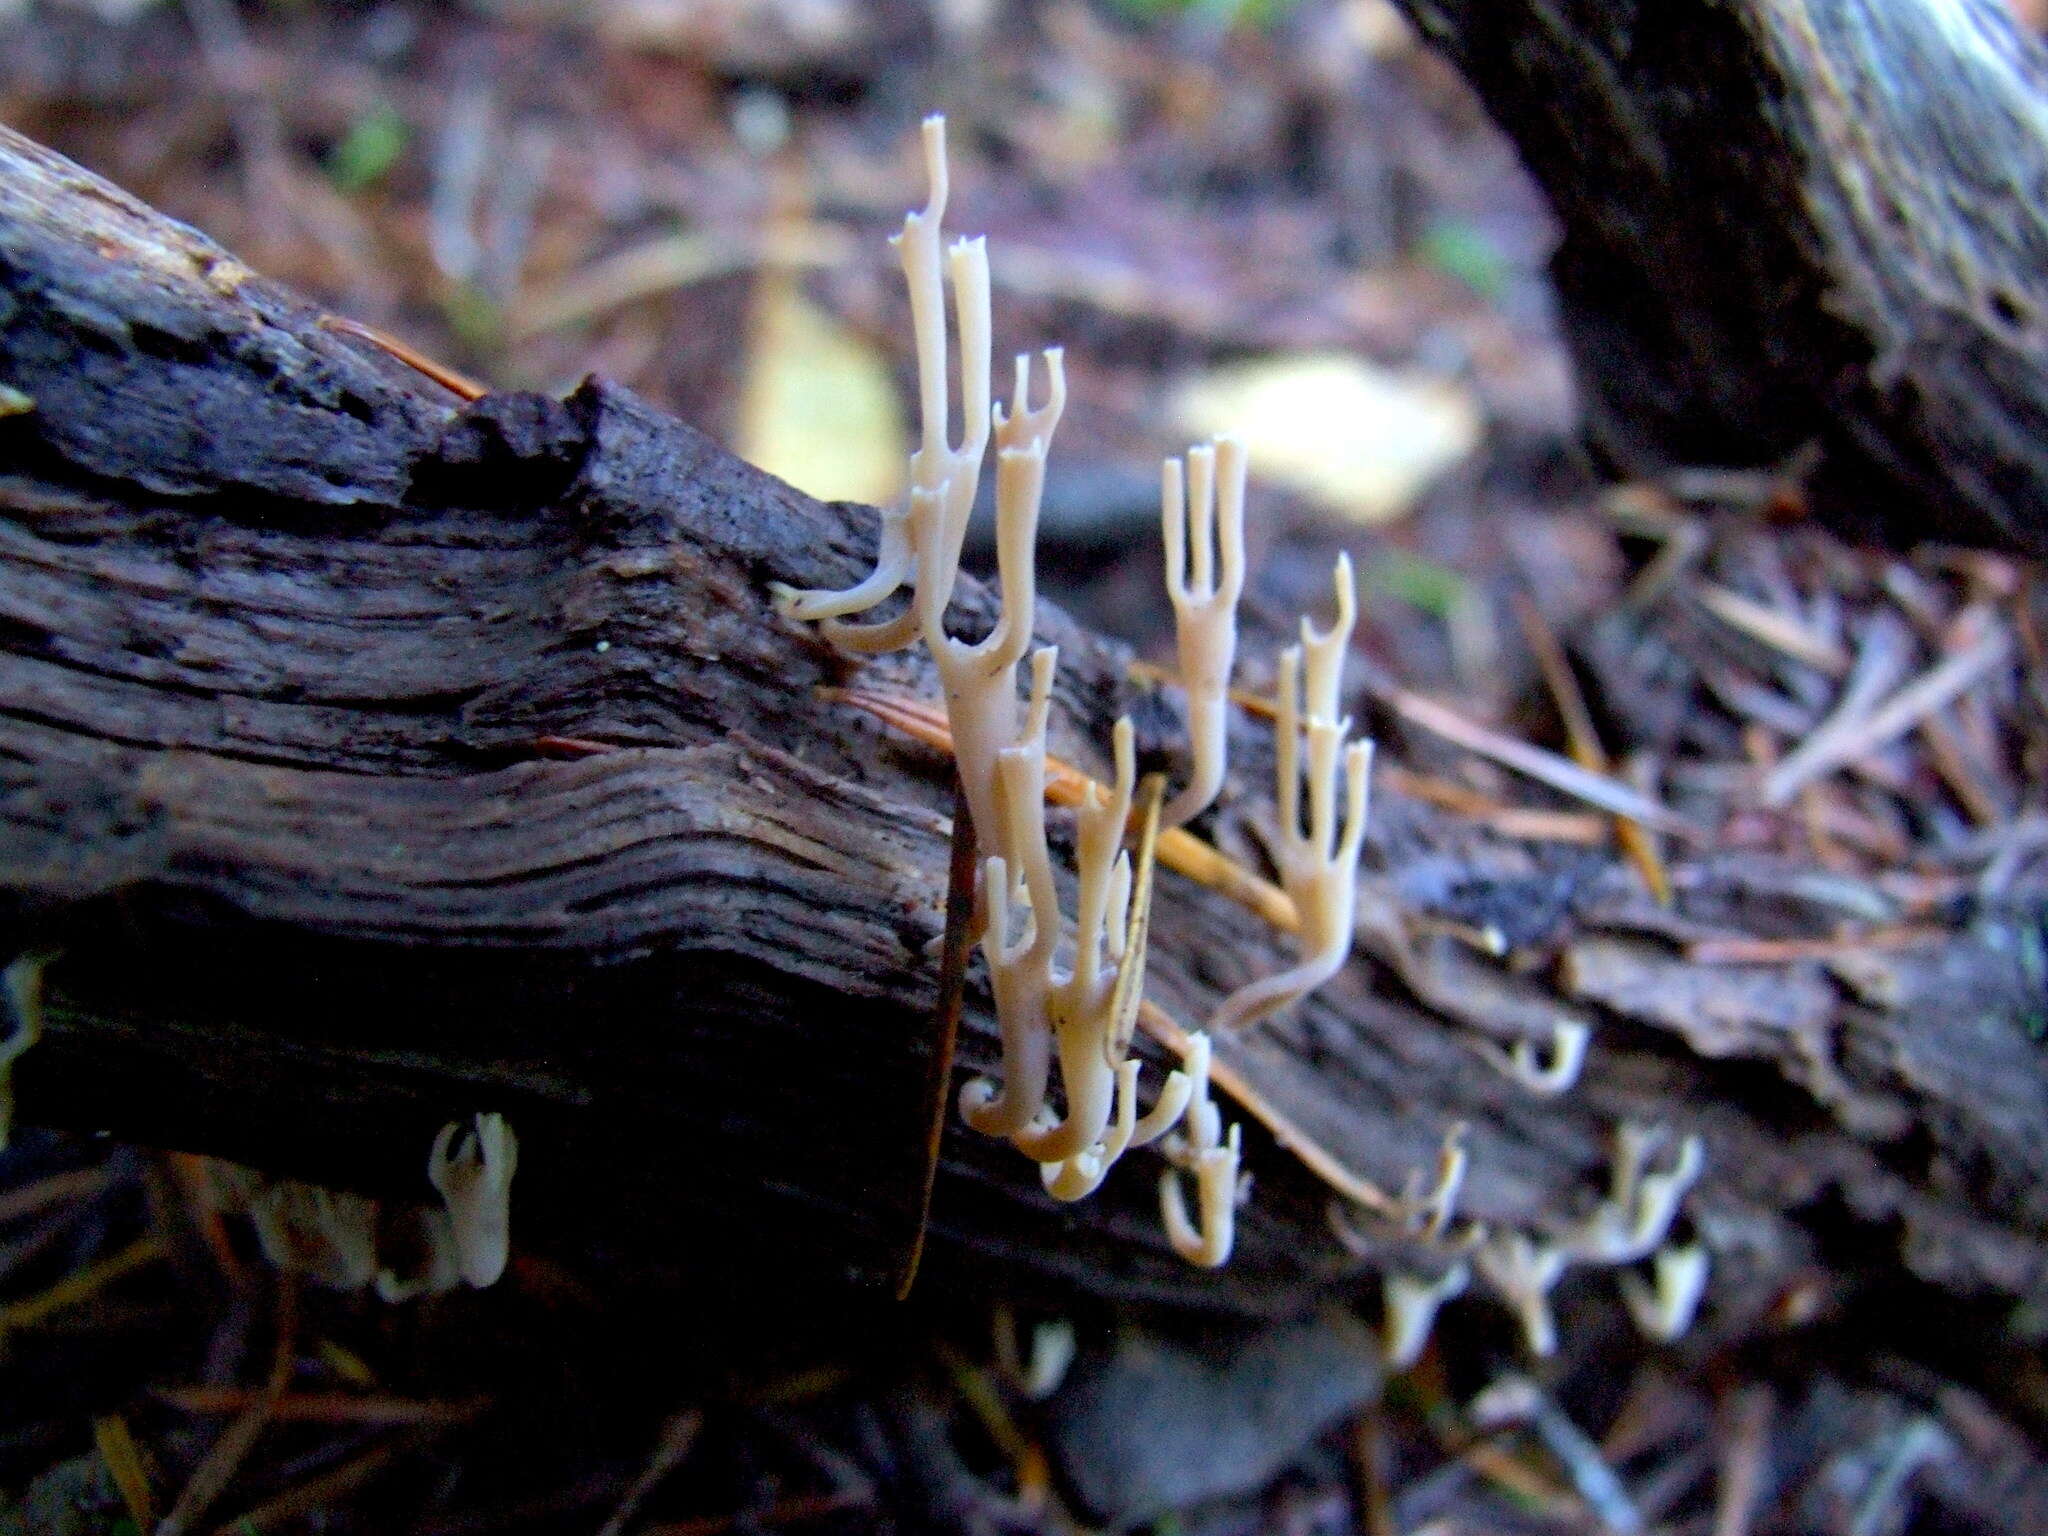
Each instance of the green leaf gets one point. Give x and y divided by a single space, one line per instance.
368 150
1435 589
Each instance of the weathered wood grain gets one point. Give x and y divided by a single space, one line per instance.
1794 222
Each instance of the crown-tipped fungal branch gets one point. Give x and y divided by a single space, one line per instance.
1318 866
1664 1307
979 678
1411 1303
947 472
1201 521
1523 1271
1079 1013
1631 1223
1030 1000
1641 1202
1569 1041
474 1178
1202 1149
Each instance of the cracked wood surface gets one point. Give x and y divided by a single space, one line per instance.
376 758
1790 223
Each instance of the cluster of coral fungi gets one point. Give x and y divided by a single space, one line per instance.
1070 994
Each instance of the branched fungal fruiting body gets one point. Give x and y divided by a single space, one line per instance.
1412 1303
329 1236
980 678
332 1237
1665 1307
1523 1272
1428 1212
1632 1222
1079 1014
474 1177
936 464
1037 1010
1569 1040
1318 865
1201 521
1203 1150
1080 1018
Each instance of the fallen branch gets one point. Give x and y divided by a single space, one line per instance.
1794 222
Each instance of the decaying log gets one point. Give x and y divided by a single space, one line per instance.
375 758
1794 222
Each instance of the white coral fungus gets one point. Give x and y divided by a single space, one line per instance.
1071 995
474 1177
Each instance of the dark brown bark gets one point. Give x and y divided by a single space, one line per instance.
296 650
1793 222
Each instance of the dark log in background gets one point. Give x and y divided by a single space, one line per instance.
291 642
1791 223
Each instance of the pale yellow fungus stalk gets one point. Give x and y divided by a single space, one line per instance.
1427 1213
474 1178
1020 968
1641 1202
1569 1041
1202 1149
1076 1013
922 542
938 468
329 1236
979 678
1665 1308
1523 1272
1411 1304
1081 1006
1318 866
1201 520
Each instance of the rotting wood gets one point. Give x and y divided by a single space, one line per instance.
1791 223
291 640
